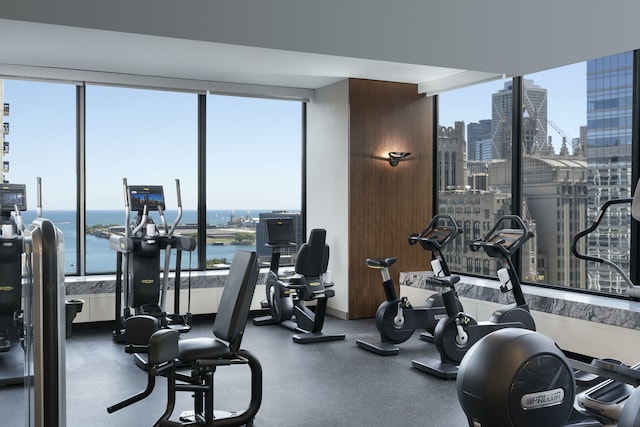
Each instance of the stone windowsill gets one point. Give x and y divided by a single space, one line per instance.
594 308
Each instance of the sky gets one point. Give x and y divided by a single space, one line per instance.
149 137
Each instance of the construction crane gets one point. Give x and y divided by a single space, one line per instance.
565 137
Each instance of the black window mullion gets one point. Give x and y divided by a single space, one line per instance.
202 182
516 159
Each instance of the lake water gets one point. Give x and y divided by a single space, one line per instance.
101 259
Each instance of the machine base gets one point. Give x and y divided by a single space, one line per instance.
12 366
437 368
426 336
312 337
380 347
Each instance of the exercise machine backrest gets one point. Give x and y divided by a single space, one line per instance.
312 259
236 299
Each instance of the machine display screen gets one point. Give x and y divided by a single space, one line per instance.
507 237
280 231
439 234
150 195
13 195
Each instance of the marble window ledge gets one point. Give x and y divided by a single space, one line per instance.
600 309
106 284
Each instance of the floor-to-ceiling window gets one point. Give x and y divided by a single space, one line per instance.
609 162
474 158
575 142
148 137
254 172
578 158
39 135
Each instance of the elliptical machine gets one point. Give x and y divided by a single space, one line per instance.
286 296
396 318
138 266
608 397
457 333
633 290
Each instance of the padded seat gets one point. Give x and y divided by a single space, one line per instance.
193 349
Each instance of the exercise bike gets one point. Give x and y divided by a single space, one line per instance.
456 334
396 318
286 295
138 253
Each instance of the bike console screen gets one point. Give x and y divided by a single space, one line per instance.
507 237
12 195
280 232
439 234
151 196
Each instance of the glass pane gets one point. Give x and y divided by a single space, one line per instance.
474 162
39 141
608 137
577 157
554 172
254 154
148 137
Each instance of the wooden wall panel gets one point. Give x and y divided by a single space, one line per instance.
386 203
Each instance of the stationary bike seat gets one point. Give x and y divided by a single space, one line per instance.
444 280
380 262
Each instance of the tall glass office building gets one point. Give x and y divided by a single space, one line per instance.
609 94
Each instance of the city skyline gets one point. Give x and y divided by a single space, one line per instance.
566 92
560 194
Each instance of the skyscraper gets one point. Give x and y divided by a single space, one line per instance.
477 132
451 157
609 99
534 123
5 131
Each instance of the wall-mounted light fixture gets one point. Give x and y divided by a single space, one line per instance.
396 156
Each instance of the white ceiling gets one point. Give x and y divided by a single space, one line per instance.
307 45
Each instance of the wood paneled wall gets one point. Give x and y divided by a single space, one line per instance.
386 203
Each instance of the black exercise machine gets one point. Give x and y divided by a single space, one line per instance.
633 290
202 356
286 296
519 378
458 332
138 258
396 318
13 200
441 230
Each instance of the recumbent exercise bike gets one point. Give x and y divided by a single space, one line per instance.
286 295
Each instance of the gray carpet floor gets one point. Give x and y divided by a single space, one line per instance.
312 385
